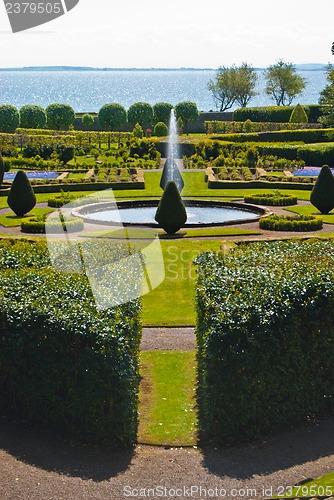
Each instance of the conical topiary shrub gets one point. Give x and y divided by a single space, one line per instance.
298 115
21 198
171 213
322 196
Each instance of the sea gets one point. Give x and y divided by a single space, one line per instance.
88 91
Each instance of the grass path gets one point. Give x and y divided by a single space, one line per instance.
167 398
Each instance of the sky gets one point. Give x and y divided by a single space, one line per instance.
174 34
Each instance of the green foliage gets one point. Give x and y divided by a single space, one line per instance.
32 116
326 100
87 120
63 363
66 154
187 111
37 225
142 113
283 83
272 199
291 223
171 214
60 116
160 129
138 131
2 169
234 84
277 114
298 115
322 195
161 112
9 118
21 198
265 338
112 116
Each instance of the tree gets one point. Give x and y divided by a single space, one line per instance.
322 195
21 198
142 113
66 154
60 116
32 116
171 214
327 99
187 111
298 115
283 83
112 116
87 120
9 118
234 84
161 112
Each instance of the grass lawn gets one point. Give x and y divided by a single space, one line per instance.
172 302
167 414
321 487
12 220
311 210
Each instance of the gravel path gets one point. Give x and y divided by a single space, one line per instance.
168 339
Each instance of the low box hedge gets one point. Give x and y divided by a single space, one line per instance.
265 338
291 223
64 364
37 225
271 199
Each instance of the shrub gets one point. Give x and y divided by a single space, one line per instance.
162 111
32 116
63 363
2 169
21 198
265 338
138 131
37 225
171 214
298 115
271 199
160 129
322 195
291 223
142 113
9 118
87 120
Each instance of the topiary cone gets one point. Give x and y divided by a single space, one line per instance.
21 198
171 213
322 195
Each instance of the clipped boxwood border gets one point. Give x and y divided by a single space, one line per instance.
291 223
37 225
272 199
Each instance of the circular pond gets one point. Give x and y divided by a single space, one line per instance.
199 213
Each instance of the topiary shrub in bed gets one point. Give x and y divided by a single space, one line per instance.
322 195
171 213
21 198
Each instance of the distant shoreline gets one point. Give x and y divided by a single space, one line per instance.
300 67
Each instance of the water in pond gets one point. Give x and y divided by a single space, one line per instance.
196 215
9 176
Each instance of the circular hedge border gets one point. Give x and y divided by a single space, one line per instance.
291 223
274 199
37 225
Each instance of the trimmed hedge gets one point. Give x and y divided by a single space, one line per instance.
265 338
272 199
291 223
274 113
37 225
63 363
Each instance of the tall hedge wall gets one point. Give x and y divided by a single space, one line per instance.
265 334
63 363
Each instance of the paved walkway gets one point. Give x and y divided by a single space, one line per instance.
168 339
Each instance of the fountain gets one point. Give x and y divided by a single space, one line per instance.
191 213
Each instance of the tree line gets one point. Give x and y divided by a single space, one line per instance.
111 116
